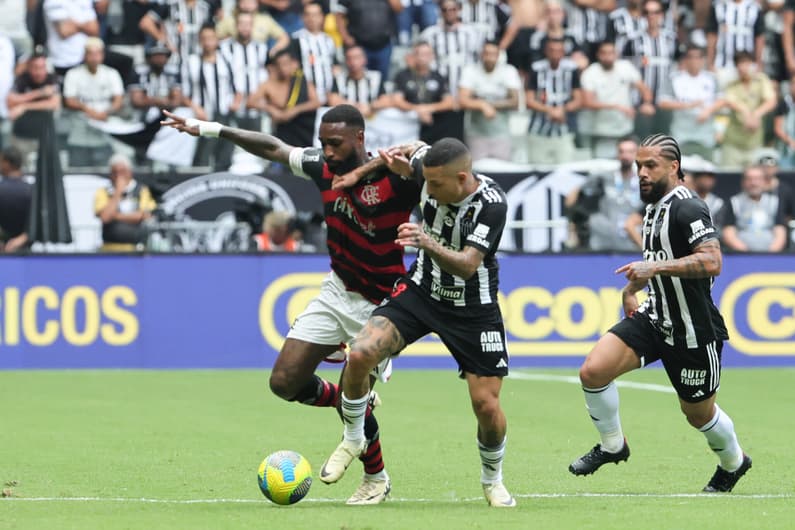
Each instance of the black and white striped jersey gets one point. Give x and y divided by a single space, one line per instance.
318 54
247 62
182 23
364 90
653 57
210 84
680 308
588 25
476 221
490 17
539 38
454 48
553 87
737 24
623 27
154 85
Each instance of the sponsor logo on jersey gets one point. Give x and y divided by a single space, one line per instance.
446 292
343 206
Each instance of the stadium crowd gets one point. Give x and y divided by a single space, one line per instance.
544 82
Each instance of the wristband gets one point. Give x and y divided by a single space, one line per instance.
210 129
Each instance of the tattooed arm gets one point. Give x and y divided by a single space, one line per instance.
462 263
706 261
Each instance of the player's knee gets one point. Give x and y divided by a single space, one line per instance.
486 406
281 385
362 357
697 418
591 376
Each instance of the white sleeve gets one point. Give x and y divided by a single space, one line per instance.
297 162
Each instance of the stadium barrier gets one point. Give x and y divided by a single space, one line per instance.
233 311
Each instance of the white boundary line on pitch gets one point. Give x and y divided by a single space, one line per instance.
525 376
144 500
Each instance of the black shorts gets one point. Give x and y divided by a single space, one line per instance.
693 372
474 336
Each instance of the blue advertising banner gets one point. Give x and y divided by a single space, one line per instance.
233 311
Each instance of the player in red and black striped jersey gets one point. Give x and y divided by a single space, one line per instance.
362 222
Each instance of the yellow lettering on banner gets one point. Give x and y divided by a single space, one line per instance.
768 289
280 286
90 302
562 311
514 309
759 313
30 302
11 316
126 329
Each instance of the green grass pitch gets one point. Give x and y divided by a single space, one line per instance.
162 449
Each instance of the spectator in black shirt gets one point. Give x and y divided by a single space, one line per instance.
15 196
424 91
370 24
34 94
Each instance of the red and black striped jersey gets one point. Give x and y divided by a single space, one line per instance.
361 223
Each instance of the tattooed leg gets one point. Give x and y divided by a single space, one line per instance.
375 342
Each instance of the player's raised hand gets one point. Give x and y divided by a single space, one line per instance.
638 272
179 123
395 160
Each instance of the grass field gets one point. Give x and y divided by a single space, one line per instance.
132 449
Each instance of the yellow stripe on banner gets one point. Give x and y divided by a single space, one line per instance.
296 91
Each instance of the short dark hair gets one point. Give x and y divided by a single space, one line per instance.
554 40
13 156
444 151
742 56
605 42
347 114
288 50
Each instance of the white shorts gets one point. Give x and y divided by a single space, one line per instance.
334 318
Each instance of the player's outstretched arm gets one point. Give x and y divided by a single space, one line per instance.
462 263
256 143
706 261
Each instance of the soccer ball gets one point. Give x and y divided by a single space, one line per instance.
284 477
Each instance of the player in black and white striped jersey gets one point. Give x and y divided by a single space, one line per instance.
625 23
734 26
678 323
317 51
358 86
451 290
246 58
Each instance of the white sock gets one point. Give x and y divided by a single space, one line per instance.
719 432
381 475
491 462
353 411
602 405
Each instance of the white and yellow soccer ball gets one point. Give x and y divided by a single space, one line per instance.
284 477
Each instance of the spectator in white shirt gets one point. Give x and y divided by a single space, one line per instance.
69 24
95 91
489 91
692 95
607 86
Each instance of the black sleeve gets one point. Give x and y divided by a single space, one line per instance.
575 79
694 220
416 163
532 79
759 24
781 108
307 162
486 233
712 21
781 216
729 218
